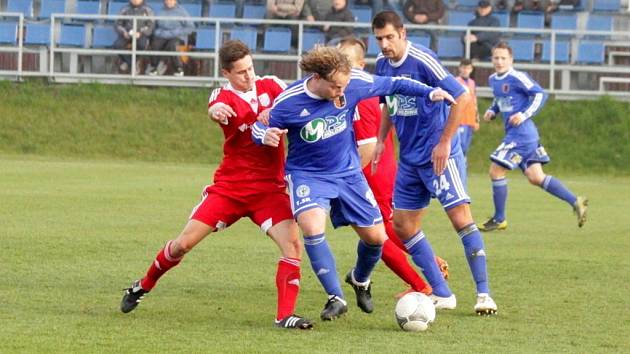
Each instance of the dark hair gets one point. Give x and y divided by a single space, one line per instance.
503 45
385 18
231 51
325 61
465 62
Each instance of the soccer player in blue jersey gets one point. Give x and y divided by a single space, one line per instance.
323 168
431 160
518 98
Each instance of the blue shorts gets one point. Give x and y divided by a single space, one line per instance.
349 199
512 154
415 186
465 137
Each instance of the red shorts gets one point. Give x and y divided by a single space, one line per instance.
217 209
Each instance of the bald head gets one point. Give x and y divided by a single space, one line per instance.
354 49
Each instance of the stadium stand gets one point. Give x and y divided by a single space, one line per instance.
49 7
450 47
114 7
362 13
103 36
563 48
194 9
311 37
254 11
223 9
460 18
8 32
21 6
277 39
206 38
424 40
523 49
606 5
504 18
564 21
71 35
246 34
531 20
590 52
37 34
88 7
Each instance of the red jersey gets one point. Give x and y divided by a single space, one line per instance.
366 123
246 167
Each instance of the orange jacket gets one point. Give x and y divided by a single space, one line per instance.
471 116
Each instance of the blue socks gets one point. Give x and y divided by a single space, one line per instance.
476 256
422 254
367 257
323 263
553 186
499 196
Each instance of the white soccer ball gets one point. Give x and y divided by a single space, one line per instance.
414 312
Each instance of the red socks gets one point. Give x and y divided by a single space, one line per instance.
396 260
288 284
162 263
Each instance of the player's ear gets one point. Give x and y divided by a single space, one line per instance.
403 33
225 72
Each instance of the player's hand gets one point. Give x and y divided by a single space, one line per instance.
488 116
440 95
221 113
516 119
273 136
439 156
376 156
263 117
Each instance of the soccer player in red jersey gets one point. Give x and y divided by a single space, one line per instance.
248 183
366 124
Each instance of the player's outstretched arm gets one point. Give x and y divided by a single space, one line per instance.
263 135
440 95
221 113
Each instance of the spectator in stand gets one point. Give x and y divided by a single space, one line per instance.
339 12
424 12
316 10
124 28
284 9
555 5
482 42
167 36
529 5
376 5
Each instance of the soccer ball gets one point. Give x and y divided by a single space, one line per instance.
414 312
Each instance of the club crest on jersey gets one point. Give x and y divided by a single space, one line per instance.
302 191
340 101
505 88
401 105
264 99
324 128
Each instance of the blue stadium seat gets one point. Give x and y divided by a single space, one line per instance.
8 32
194 9
103 36
206 38
52 7
254 11
460 18
155 5
247 35
311 37
373 49
114 7
277 39
362 13
533 20
504 18
222 9
450 47
599 23
37 34
606 5
563 48
421 39
590 52
71 35
564 21
23 6
88 8
467 4
523 49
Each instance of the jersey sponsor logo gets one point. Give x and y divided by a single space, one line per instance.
264 99
340 101
505 104
324 128
243 127
400 105
305 113
302 191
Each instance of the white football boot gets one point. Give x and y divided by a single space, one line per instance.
446 303
485 305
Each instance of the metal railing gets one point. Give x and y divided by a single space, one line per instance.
223 26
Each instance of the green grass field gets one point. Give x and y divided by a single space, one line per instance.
75 232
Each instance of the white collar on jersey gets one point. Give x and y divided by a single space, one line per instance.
250 96
404 57
310 93
505 74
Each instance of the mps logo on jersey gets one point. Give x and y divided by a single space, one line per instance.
400 105
324 128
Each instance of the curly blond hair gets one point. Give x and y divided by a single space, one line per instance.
325 62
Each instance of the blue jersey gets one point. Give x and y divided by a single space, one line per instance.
516 92
321 138
419 122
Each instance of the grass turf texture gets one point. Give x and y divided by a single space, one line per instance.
75 232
